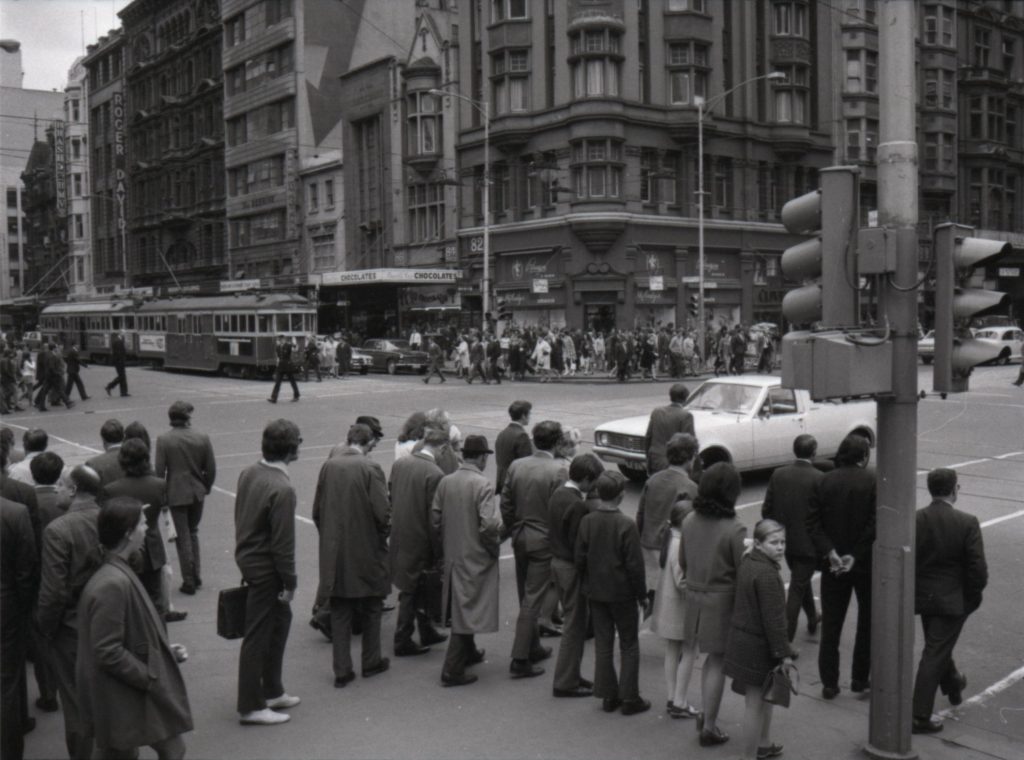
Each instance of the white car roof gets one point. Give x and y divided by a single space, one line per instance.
761 381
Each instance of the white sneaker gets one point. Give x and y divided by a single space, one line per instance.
283 702
264 717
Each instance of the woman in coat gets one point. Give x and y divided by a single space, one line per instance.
709 556
130 690
758 639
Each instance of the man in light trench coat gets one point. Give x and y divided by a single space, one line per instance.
465 515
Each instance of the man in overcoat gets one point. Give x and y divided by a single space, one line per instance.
465 517
665 422
352 512
415 548
106 464
71 554
513 442
787 501
524 512
19 579
118 357
951 575
74 364
841 523
44 360
185 458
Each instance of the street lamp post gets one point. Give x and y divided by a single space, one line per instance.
702 108
485 111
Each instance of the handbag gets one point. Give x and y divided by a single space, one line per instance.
231 604
780 683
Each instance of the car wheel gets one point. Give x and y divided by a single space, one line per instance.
392 366
633 474
1004 358
364 370
926 360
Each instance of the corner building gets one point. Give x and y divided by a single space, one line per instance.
593 165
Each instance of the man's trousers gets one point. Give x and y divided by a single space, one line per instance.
609 618
536 577
461 648
835 600
63 651
261 660
369 609
801 593
186 523
574 625
936 668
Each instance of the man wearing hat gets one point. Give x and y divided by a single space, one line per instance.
185 459
352 513
284 369
465 517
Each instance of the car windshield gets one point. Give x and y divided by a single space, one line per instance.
725 397
398 345
987 334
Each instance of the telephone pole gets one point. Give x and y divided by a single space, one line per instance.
892 608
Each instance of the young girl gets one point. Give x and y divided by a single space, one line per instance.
667 620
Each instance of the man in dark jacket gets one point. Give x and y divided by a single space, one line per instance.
611 566
566 510
436 366
106 464
18 582
285 369
312 359
185 458
74 364
660 493
352 513
787 501
118 356
841 523
44 359
477 355
513 442
951 575
343 356
665 422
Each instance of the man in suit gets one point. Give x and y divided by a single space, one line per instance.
285 369
841 523
55 379
436 365
70 555
352 513
74 364
665 422
19 578
343 356
565 511
464 516
185 459
265 555
106 464
524 511
118 356
660 492
477 355
513 442
787 501
951 575
43 361
415 548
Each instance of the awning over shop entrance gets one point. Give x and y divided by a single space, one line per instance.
391 277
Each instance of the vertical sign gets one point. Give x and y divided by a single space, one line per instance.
291 184
120 176
60 168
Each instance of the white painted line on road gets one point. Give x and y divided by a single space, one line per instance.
233 495
984 696
969 462
1004 518
58 438
748 505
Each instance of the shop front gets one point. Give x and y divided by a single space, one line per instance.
531 288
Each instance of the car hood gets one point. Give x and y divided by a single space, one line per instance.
703 421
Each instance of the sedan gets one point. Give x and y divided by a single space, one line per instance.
391 356
1009 339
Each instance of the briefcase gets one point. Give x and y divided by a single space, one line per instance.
231 612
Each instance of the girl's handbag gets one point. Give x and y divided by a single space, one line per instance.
780 684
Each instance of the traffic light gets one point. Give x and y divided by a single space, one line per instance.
693 306
957 255
504 310
826 262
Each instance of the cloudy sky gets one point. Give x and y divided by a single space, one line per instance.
51 33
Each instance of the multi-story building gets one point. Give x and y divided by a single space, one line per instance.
108 164
26 115
48 223
175 128
76 152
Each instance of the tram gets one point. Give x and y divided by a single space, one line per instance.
232 334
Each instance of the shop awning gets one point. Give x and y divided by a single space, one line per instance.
395 276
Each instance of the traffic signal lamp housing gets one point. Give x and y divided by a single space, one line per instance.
693 306
957 352
504 310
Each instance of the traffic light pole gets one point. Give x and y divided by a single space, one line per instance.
892 609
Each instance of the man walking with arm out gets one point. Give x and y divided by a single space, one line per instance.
265 555
951 574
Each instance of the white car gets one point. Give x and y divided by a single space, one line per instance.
749 420
926 347
1009 339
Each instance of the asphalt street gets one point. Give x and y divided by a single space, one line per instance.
406 714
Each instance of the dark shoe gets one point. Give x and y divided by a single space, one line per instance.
634 706
611 704
295 399
830 692
524 669
69 405
550 631
859 687
342 681
272 400
541 654
685 711
187 588
107 389
463 680
772 750
433 637
409 649
126 395
199 582
377 669
586 684
926 726
28 725
175 616
709 737
579 691
47 704
86 398
956 689
476 658
812 623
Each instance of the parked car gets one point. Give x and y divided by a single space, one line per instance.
749 420
387 355
1009 339
926 347
361 361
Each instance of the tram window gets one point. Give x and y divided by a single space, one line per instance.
282 323
129 322
296 322
251 320
117 323
265 323
234 323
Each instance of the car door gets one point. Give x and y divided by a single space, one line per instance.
372 349
776 424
